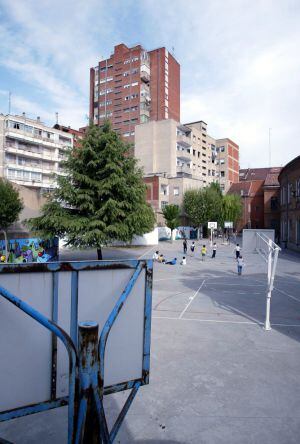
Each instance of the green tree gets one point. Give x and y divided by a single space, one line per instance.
10 207
231 208
101 198
172 217
203 205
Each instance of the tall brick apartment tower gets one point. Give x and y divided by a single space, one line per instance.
134 86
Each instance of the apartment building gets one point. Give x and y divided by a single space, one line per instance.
30 151
134 86
176 157
186 150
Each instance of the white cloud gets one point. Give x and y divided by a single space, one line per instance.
239 60
240 70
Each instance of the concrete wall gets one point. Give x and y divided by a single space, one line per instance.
32 201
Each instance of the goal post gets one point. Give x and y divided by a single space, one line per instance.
262 242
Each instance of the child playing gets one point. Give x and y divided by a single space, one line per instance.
203 252
240 264
172 262
193 248
237 250
156 256
183 262
214 250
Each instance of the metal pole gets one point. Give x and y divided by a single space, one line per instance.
269 289
88 431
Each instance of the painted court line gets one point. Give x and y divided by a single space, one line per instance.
286 294
148 251
217 321
191 300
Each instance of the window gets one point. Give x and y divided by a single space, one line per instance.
134 83
163 204
289 192
274 203
222 149
222 173
194 152
298 188
164 189
176 191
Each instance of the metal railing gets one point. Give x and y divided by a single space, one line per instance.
86 414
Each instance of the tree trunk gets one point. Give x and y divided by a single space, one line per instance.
99 254
5 243
171 236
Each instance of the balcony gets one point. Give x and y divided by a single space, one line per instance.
184 140
183 153
34 155
182 170
145 77
20 134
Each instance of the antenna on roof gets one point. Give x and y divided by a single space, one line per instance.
9 102
56 116
270 147
173 51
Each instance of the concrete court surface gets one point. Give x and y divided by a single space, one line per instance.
216 375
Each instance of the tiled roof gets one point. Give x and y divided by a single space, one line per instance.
241 188
257 173
272 178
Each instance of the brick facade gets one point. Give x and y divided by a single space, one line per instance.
289 180
134 86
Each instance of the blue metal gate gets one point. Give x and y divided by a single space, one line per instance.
85 347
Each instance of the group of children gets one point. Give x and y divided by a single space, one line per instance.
203 249
161 259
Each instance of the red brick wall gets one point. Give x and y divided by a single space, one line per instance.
157 83
174 89
157 86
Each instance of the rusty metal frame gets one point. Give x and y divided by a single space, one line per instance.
77 407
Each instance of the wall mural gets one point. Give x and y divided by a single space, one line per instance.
29 250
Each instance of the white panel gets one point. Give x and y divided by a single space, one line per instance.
98 293
25 346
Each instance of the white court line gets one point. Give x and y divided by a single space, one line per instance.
148 251
285 293
191 300
216 321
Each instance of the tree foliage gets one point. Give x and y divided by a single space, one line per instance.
102 196
10 207
203 205
208 204
231 208
10 204
171 214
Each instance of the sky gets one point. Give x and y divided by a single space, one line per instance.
240 62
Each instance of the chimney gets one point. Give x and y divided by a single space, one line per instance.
24 115
38 118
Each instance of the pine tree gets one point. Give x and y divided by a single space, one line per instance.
101 198
10 207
